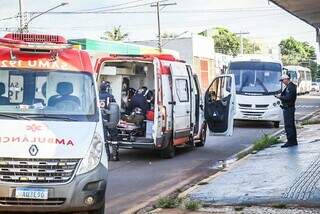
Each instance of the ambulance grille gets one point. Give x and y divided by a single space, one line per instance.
37 170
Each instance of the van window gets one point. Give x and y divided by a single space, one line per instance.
220 89
182 90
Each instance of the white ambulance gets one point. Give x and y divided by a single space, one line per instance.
179 116
52 153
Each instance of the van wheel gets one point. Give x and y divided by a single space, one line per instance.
168 152
203 138
276 124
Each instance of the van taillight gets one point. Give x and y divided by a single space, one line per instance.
164 118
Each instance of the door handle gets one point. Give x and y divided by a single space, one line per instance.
172 103
188 112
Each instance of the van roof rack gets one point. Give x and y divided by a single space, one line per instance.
168 57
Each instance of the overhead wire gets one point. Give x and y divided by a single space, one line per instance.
100 11
164 23
8 18
112 6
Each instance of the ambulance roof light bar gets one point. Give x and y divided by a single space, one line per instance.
36 38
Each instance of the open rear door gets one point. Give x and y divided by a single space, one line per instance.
220 105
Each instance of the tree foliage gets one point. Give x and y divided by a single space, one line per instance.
227 42
295 52
115 34
250 47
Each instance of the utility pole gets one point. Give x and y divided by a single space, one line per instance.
158 5
241 40
20 17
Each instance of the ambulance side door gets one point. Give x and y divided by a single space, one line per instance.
219 105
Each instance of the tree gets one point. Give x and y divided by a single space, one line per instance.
250 47
227 42
295 52
115 34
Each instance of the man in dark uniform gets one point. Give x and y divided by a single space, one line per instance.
105 96
288 98
139 101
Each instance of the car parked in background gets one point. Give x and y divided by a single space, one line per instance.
315 86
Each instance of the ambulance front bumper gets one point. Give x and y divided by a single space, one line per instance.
68 197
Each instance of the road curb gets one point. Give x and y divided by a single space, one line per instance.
308 116
169 191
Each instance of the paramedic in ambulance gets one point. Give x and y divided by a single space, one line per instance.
150 99
139 101
105 96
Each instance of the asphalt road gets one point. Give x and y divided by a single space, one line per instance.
141 175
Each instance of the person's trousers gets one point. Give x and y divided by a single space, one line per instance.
289 125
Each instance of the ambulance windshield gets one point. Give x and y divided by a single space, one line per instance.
47 94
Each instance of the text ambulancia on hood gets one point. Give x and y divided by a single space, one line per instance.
26 139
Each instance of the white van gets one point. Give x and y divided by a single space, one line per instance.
301 76
52 153
257 81
179 119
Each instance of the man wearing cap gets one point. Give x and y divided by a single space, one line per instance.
288 98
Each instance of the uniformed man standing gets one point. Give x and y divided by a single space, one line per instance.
288 98
105 96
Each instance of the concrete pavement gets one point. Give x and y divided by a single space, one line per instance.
141 176
272 176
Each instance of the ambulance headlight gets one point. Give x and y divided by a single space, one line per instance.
93 156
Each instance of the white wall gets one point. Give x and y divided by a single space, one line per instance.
203 47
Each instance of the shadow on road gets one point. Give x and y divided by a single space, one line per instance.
253 124
150 155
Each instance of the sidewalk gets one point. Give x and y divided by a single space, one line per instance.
272 176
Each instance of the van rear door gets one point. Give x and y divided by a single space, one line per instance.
220 105
181 102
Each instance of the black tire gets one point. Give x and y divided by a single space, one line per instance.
168 152
203 138
276 124
98 211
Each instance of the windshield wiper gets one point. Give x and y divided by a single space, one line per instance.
14 116
262 85
52 117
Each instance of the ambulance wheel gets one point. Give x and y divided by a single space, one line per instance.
203 138
276 124
168 152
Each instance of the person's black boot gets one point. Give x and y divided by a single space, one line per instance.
289 145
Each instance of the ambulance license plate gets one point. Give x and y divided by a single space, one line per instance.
32 193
